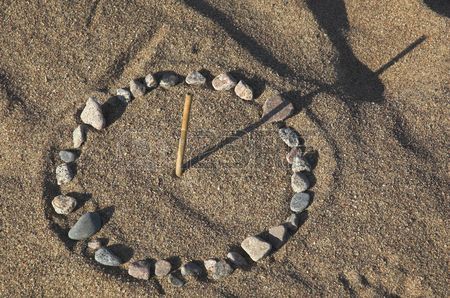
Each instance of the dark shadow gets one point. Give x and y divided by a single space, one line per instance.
345 282
125 253
81 197
209 77
113 109
175 261
106 214
312 157
239 250
441 7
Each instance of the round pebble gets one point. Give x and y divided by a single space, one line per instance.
79 136
237 259
191 269
289 136
64 204
150 81
299 202
92 114
124 95
221 269
105 257
86 226
64 174
277 109
137 88
168 80
139 269
195 78
67 156
255 247
162 268
243 91
223 82
175 281
94 244
209 264
299 164
299 182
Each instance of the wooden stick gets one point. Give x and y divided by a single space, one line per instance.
184 128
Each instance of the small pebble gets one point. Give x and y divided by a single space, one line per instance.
150 81
195 78
86 226
299 182
292 222
299 202
209 264
278 235
168 80
64 174
105 257
79 136
64 204
191 269
94 244
177 282
237 259
223 82
137 88
243 91
255 247
92 114
67 156
299 164
221 269
124 95
277 109
162 268
139 269
293 153
289 136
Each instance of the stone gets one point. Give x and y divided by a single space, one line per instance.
300 164
150 81
223 82
209 264
293 153
243 91
299 182
299 202
289 136
139 269
168 80
191 269
95 244
64 204
105 257
221 269
277 109
293 222
278 236
175 281
237 259
64 174
255 247
79 136
124 95
86 226
137 88
162 268
67 156
195 78
92 114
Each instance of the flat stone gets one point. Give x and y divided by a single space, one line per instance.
140 269
105 257
150 81
64 204
293 222
299 182
64 174
195 78
175 281
277 109
137 88
67 156
293 153
209 264
92 114
237 259
95 244
289 136
86 226
191 269
162 268
255 247
243 91
300 164
299 202
168 80
224 82
79 136
124 95
278 235
221 269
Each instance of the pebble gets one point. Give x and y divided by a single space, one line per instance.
195 78
223 82
137 88
289 136
299 164
150 81
221 269
79 136
67 156
209 264
139 269
277 109
293 153
237 259
243 91
94 244
92 114
168 80
124 94
64 204
64 174
191 269
177 282
105 257
255 247
299 202
292 222
88 224
279 235
299 182
162 268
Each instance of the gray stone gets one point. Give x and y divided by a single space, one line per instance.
67 156
293 153
79 136
86 226
289 136
64 204
195 78
299 164
175 281
243 91
124 95
237 259
292 222
277 109
255 247
64 174
191 269
209 264
105 257
92 114
278 235
137 88
95 244
168 80
162 268
221 269
299 182
150 81
140 269
299 202
224 82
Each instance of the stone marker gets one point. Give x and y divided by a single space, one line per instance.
221 269
223 82
124 95
64 174
195 78
209 264
277 109
64 204
79 136
191 269
299 182
105 257
237 259
140 269
67 156
162 267
137 88
150 81
292 222
92 114
299 164
299 202
177 282
293 153
95 244
88 224
278 236
243 91
168 80
255 247
289 136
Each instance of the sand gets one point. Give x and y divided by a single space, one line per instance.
370 83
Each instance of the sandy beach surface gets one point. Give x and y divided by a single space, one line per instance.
370 84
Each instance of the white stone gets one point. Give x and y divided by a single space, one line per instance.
256 248
92 114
